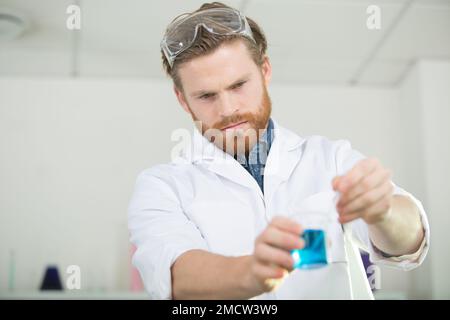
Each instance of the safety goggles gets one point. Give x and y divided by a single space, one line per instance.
181 33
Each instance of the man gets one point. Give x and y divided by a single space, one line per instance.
217 222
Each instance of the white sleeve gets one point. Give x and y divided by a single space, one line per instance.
160 231
346 158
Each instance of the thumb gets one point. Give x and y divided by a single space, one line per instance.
335 182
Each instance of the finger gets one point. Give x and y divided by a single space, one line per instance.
368 199
266 271
268 254
370 214
271 284
372 181
287 224
281 239
361 169
335 182
349 217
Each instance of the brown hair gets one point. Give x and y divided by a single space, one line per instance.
207 42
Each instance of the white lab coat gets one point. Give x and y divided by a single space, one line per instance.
206 200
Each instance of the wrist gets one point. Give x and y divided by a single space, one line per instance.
381 219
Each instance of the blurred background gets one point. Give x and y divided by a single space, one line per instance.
83 111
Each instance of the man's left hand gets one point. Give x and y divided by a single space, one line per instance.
366 192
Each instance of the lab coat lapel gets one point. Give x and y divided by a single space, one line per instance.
216 160
285 153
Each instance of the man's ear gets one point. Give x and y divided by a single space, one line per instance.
181 99
266 69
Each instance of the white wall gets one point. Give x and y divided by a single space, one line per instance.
71 150
434 110
70 154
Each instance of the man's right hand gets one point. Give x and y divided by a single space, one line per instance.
223 277
271 260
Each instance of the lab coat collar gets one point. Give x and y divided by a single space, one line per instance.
201 150
281 161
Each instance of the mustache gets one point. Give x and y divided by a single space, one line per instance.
232 120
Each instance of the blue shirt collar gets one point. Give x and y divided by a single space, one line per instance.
257 157
258 154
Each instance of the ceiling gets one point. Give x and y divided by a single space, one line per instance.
310 42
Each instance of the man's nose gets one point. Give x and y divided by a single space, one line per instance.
228 105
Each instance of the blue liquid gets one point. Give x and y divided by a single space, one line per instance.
314 254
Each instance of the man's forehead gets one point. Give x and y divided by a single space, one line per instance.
227 64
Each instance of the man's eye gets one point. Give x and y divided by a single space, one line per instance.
207 96
240 84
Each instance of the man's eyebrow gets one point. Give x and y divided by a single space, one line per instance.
202 92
